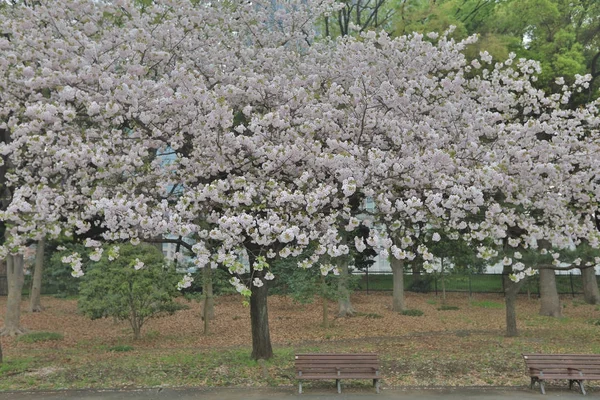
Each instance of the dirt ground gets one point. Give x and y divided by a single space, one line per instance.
290 322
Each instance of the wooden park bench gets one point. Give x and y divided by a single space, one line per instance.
337 366
574 367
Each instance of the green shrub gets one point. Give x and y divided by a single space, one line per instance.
446 307
35 337
412 313
595 322
116 289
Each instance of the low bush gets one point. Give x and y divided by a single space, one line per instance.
412 313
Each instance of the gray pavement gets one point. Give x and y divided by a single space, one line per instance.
309 394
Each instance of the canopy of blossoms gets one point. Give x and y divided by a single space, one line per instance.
234 124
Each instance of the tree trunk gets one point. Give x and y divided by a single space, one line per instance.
398 284
325 303
550 302
590 286
3 278
12 320
208 309
511 289
443 277
259 319
35 304
345 308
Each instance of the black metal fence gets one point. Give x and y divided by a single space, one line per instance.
570 284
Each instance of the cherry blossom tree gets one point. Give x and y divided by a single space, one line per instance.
229 123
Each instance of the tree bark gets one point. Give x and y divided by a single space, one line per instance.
398 284
15 276
591 295
511 289
345 308
259 320
35 304
443 278
3 278
208 309
325 303
550 302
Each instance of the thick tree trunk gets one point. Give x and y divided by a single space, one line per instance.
345 308
591 295
259 320
398 284
208 309
35 304
15 276
550 302
511 290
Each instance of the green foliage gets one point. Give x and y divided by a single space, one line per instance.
220 284
35 337
57 278
116 289
302 285
413 313
446 307
421 283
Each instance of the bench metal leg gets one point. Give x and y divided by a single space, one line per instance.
580 383
376 383
534 380
339 385
299 387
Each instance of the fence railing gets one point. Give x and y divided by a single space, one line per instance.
456 282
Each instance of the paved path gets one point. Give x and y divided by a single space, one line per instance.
310 394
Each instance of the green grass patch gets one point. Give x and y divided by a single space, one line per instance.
120 348
487 304
413 313
15 366
35 337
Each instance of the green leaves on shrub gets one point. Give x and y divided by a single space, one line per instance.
445 307
122 290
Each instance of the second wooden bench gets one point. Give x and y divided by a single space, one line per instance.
337 366
574 367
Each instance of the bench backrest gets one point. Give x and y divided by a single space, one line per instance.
558 363
326 362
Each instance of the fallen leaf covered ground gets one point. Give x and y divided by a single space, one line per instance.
456 347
